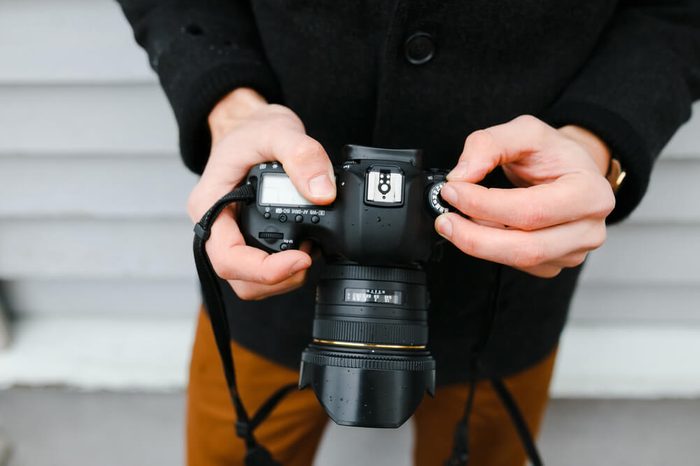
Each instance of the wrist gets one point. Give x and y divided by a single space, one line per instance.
596 147
232 110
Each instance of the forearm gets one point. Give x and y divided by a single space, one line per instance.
201 50
636 88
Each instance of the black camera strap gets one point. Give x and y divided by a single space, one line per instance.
256 454
460 450
518 421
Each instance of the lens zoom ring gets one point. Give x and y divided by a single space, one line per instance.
380 364
359 272
370 332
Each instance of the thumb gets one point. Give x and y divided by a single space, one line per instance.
308 166
488 148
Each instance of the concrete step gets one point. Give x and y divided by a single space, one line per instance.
58 427
5 451
152 353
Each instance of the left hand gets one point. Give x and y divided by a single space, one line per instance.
556 214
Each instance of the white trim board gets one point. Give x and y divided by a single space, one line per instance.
99 353
152 355
630 361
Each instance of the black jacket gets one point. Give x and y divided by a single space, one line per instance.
425 74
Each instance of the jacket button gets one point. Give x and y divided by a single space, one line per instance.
419 48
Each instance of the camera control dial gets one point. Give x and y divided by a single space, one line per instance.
271 235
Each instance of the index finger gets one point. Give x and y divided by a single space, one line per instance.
488 148
570 197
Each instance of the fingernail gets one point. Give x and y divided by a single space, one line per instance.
449 194
460 171
444 226
321 186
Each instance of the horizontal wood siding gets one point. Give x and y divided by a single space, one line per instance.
92 191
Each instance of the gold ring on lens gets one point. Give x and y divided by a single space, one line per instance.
368 345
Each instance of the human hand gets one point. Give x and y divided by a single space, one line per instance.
246 130
556 214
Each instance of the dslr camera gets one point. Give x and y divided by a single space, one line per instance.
368 362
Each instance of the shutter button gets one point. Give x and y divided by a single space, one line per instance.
419 48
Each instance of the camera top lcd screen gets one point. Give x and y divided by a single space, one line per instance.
277 189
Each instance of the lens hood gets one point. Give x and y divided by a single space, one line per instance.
367 389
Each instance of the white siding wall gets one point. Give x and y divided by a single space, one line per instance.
94 192
92 197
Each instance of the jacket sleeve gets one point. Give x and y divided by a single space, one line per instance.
637 87
201 50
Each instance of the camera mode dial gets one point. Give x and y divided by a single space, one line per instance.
435 201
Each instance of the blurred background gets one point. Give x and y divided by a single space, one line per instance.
98 293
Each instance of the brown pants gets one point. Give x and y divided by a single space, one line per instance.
294 429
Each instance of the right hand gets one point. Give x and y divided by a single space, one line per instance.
246 131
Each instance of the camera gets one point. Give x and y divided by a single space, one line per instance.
368 362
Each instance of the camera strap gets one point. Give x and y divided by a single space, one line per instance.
460 449
256 454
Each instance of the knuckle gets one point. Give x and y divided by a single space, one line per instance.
280 109
576 259
528 121
607 204
603 203
307 151
529 254
598 236
594 237
246 292
479 138
532 125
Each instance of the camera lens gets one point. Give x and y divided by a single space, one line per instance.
368 363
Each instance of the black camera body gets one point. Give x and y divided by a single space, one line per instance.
368 362
383 213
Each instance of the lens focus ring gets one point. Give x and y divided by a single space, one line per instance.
371 332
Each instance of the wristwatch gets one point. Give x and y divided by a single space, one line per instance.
615 174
